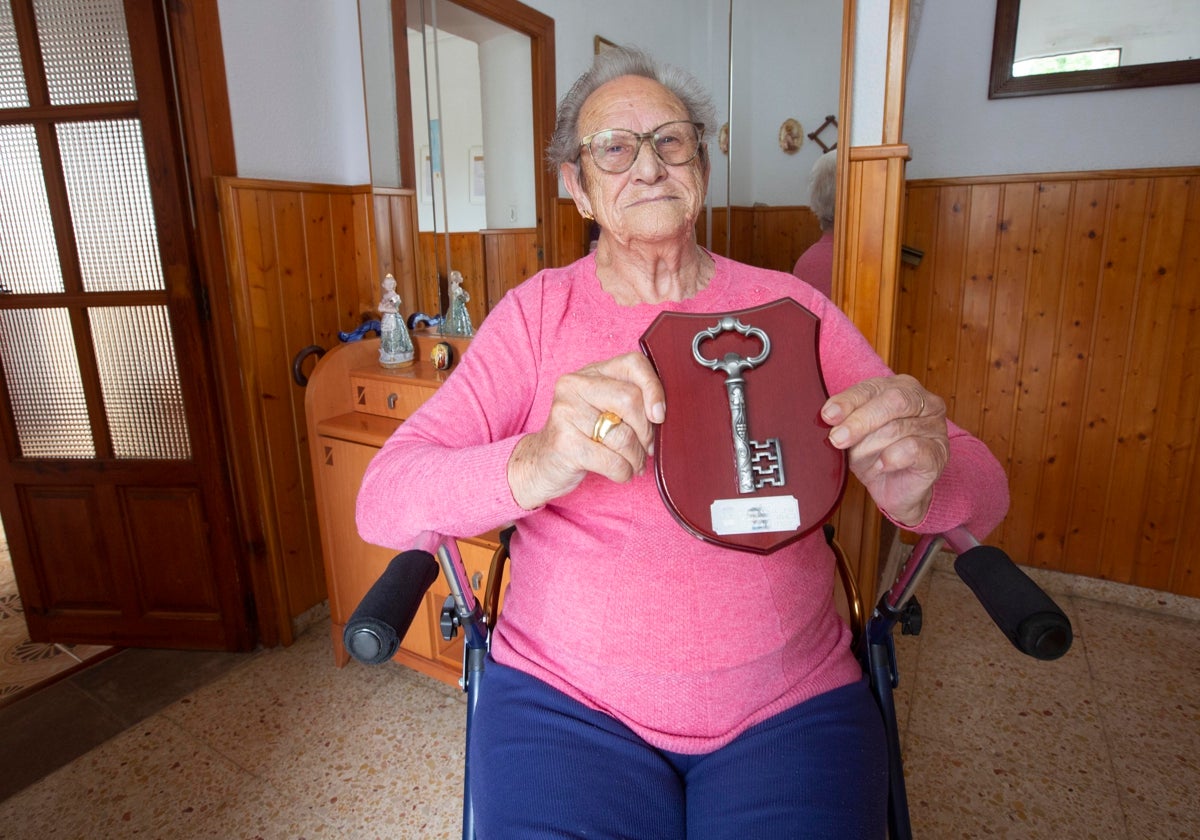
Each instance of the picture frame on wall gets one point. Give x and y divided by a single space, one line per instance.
601 44
475 167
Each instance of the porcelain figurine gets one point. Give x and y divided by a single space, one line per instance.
458 320
395 345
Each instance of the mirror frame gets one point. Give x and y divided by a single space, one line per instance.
1004 85
540 29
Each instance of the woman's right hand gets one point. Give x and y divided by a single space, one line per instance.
553 461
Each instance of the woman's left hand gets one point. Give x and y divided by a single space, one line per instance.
894 432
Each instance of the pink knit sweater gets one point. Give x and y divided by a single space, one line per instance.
611 601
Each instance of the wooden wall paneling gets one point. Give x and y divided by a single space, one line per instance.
782 234
1029 454
1147 312
510 257
355 252
570 234
946 270
466 256
1110 348
1071 364
741 237
250 252
276 325
300 269
395 225
1153 366
1170 517
916 288
1009 288
862 301
431 253
1090 332
979 258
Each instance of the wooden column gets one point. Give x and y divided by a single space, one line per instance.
867 264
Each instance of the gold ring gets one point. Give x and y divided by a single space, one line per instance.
605 423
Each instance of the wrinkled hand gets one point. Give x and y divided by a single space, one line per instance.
895 434
553 461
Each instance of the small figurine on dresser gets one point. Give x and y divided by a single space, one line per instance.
458 320
395 345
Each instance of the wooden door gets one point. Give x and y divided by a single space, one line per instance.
112 486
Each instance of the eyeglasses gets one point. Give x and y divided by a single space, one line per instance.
615 149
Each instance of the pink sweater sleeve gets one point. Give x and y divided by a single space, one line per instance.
445 468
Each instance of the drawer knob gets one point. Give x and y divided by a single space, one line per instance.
391 401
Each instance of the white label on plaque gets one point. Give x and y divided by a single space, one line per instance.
749 516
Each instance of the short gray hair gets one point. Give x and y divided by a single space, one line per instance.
822 188
613 63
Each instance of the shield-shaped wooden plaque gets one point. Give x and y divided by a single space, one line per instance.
795 476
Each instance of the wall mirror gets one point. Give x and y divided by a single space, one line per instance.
475 84
768 82
1063 46
759 79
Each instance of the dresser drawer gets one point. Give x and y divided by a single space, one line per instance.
391 396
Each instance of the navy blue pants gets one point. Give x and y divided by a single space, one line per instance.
544 765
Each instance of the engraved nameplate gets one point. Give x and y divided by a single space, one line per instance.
761 514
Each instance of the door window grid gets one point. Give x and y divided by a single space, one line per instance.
44 384
13 93
85 51
86 60
139 378
104 166
28 255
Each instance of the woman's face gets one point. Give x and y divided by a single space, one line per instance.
651 201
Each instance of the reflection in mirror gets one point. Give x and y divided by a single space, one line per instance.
758 188
1056 46
471 88
379 90
488 94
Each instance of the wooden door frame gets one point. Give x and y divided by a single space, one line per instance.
866 267
207 127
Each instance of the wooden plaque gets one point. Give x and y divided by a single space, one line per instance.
795 477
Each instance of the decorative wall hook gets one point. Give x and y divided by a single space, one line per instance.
815 136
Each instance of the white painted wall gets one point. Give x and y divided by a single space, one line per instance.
295 89
508 131
954 130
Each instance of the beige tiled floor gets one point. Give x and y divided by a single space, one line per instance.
1102 743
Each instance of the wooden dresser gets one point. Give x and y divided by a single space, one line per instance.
352 406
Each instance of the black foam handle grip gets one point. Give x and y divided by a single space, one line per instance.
385 613
1021 609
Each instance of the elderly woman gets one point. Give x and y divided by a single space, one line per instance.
646 684
815 265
